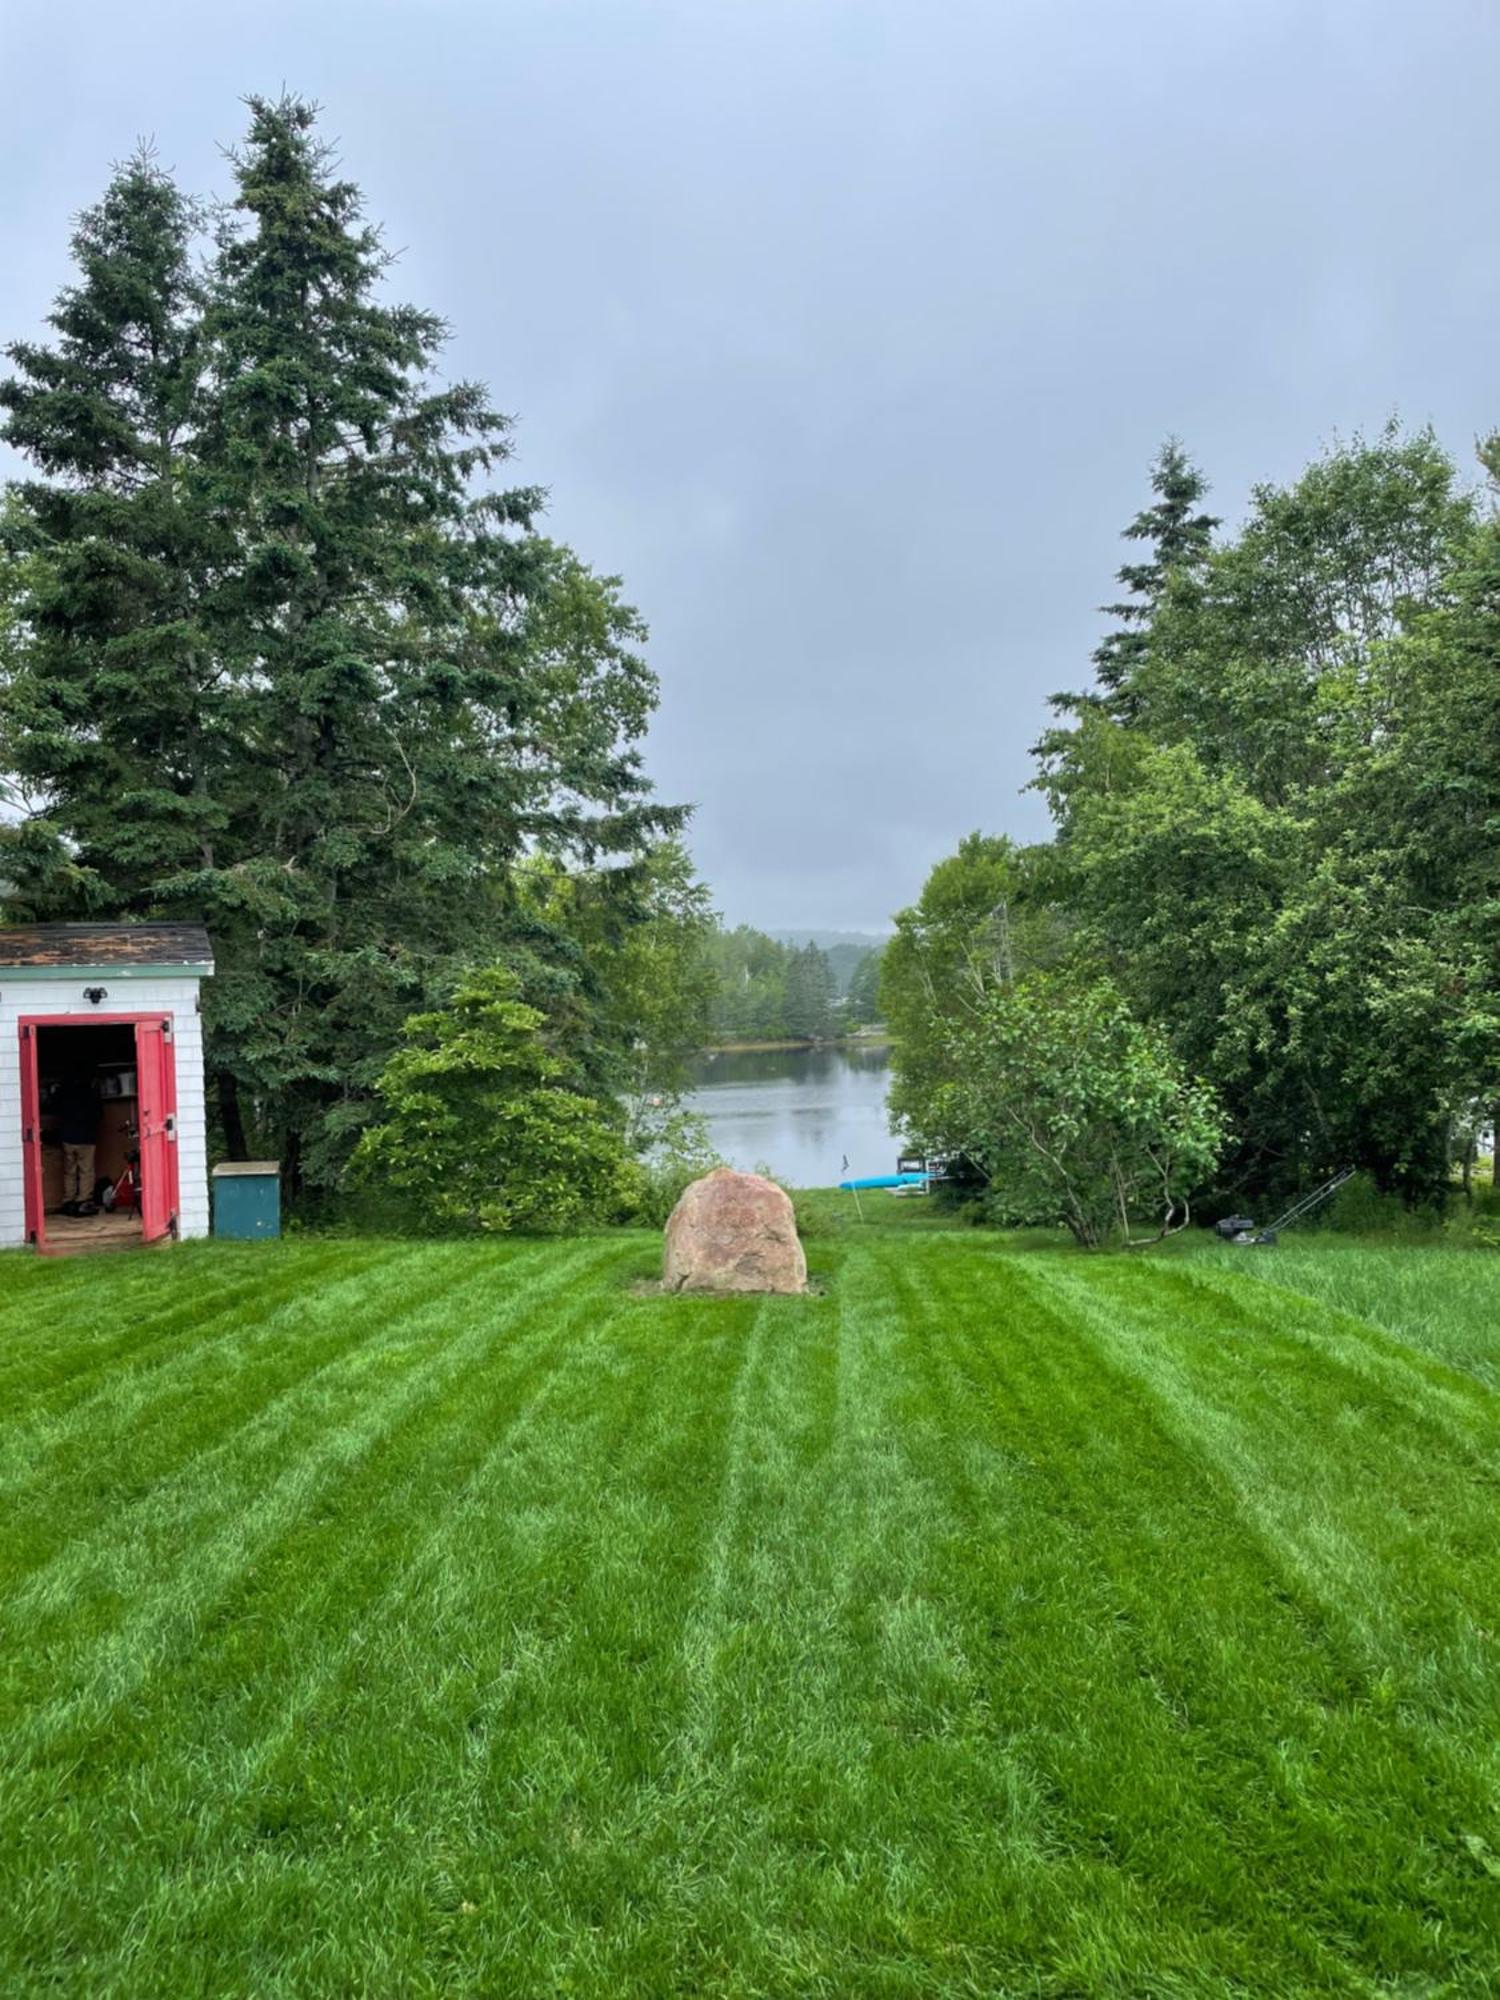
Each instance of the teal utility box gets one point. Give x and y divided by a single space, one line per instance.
247 1199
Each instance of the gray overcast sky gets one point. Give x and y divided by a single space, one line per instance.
845 332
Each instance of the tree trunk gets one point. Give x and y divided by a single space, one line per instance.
231 1115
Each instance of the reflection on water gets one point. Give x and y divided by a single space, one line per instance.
799 1112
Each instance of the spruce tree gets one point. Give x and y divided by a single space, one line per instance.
1177 535
809 994
299 669
108 715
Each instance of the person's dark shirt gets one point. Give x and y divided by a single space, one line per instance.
78 1110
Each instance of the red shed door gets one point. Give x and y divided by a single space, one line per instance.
31 1135
156 1112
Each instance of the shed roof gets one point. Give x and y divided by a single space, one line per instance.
113 947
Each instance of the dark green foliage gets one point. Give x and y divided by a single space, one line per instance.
764 990
111 709
982 918
807 1004
293 664
1178 539
1430 781
632 979
481 1127
1271 659
749 996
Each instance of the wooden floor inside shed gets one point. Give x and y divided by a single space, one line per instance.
80 1235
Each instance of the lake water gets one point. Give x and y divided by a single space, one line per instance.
800 1112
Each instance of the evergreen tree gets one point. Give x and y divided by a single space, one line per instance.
298 669
808 1009
110 703
1178 536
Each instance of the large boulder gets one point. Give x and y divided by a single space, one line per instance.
733 1232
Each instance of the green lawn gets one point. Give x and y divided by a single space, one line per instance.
392 1620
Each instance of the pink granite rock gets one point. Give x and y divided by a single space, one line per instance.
733 1232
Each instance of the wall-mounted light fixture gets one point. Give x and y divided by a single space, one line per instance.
94 994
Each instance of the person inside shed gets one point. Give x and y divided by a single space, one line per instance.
119 1006
78 1129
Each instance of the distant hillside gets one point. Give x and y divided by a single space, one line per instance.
830 940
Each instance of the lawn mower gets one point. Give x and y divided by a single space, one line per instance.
1241 1229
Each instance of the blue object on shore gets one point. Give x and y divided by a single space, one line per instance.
883 1181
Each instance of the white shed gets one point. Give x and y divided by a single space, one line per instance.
100 1034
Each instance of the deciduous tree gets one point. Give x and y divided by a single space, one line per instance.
1077 1112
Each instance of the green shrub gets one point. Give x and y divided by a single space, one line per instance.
1078 1112
1360 1208
480 1129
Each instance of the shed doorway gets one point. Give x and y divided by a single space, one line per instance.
98 1131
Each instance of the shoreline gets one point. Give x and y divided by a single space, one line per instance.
879 1040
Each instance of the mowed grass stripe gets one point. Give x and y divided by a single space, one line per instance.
1340 1467
920 1639
728 1823
771 1424
533 1657
778 1882
358 1570
243 1396
107 1321
828 1715
1191 1728
1127 1855
141 1422
76 1337
89 1629
329 1554
70 1286
566 1832
288 1652
1367 1791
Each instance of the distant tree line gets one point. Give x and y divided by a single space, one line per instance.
1276 847
766 990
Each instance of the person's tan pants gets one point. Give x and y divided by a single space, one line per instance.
78 1173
